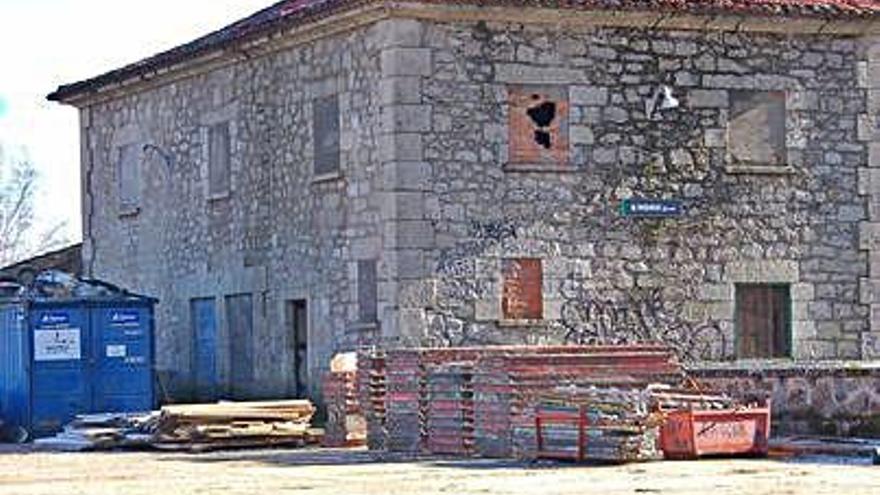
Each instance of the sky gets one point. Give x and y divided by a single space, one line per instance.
46 43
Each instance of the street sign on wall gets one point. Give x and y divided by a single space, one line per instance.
652 208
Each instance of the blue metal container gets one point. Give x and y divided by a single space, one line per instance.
60 358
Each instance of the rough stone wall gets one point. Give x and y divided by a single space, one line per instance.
869 187
611 278
835 398
279 234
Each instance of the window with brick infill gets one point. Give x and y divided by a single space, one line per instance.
763 321
522 295
538 126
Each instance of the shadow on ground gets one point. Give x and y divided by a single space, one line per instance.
360 457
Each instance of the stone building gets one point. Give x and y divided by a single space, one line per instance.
328 174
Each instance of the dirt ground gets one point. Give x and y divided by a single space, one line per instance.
322 472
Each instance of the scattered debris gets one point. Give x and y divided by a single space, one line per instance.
193 428
55 284
104 432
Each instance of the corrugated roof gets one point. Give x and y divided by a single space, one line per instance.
293 12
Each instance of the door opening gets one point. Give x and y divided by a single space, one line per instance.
298 347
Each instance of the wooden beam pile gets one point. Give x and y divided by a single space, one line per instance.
450 410
346 426
236 425
604 424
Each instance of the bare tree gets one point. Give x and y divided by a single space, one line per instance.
20 236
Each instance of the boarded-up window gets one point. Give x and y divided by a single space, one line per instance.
218 159
756 130
128 174
367 288
763 321
538 125
522 294
325 128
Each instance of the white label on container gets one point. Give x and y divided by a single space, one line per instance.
57 345
116 351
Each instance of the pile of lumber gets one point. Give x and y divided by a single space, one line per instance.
104 432
236 425
450 411
605 424
346 426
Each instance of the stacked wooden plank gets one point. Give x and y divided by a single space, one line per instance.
236 425
371 395
346 426
606 424
450 410
104 432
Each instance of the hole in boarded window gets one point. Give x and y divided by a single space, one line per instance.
538 125
542 116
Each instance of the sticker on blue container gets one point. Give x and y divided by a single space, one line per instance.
57 345
54 320
125 318
117 351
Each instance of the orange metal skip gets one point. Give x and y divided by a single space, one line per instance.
693 434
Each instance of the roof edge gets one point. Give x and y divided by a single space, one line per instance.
256 27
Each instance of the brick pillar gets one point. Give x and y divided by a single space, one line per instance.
869 187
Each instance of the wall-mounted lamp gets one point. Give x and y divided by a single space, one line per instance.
662 100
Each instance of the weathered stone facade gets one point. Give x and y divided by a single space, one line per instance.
280 234
438 185
797 224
